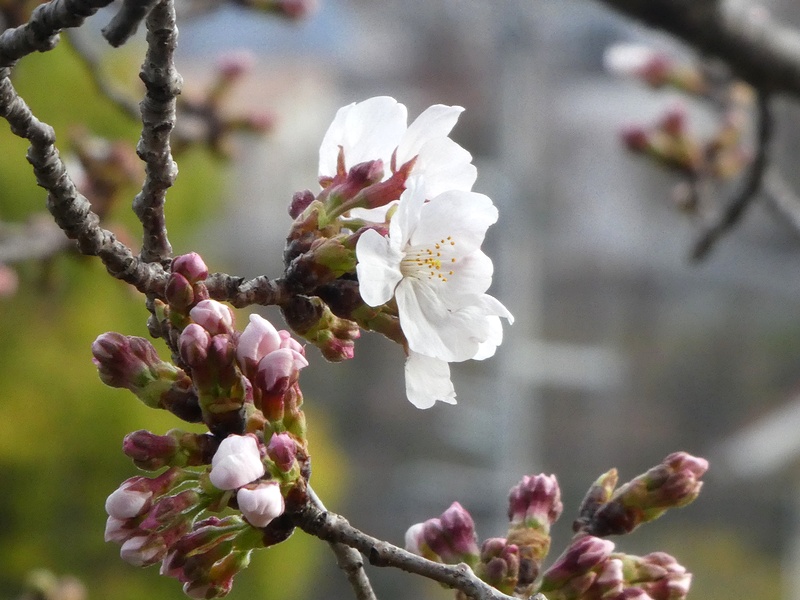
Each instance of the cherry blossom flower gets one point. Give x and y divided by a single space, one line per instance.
432 265
376 129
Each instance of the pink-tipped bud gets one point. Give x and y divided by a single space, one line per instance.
452 536
261 503
282 449
127 501
149 450
179 292
535 502
300 202
584 554
168 510
193 345
673 122
213 316
278 370
499 564
635 138
191 266
237 462
124 361
257 340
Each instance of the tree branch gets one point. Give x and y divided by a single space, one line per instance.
349 560
163 84
240 292
761 52
334 528
126 21
752 184
70 209
40 33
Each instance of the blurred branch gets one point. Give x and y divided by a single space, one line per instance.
334 528
70 209
349 560
163 85
754 177
757 49
126 21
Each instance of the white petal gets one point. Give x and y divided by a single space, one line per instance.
464 216
258 339
428 380
124 503
487 348
378 268
434 330
369 130
237 462
445 166
262 504
405 220
471 276
434 122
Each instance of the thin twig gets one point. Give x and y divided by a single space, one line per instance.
126 21
70 209
331 527
163 85
349 560
752 184
94 70
40 33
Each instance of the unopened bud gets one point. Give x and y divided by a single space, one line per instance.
300 202
257 340
193 345
451 537
599 493
499 564
148 450
282 449
584 554
179 292
190 266
215 317
260 503
535 502
635 138
237 462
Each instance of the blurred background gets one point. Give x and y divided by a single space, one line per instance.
623 350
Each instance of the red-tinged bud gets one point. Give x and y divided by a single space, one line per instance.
217 581
190 266
179 292
257 340
282 449
610 580
499 564
658 574
216 318
452 536
535 502
168 510
123 361
672 484
278 370
300 202
583 555
150 451
135 495
193 345
673 122
635 138
222 359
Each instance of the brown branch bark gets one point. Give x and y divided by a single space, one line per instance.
762 52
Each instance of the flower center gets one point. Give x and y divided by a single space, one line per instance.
434 263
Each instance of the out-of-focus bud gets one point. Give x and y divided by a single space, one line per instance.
599 493
300 202
193 345
575 568
237 462
499 564
217 580
257 340
260 503
672 484
190 266
282 449
216 318
658 574
9 281
673 121
635 138
233 65
636 60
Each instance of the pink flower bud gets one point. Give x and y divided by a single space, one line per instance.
191 266
127 501
300 202
287 341
193 345
535 502
673 122
124 361
415 540
149 449
499 564
237 462
261 503
213 316
635 138
179 292
452 536
258 339
142 551
583 554
278 370
282 449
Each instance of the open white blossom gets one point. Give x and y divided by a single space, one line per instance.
432 265
377 129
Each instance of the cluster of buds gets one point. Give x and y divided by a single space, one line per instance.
205 118
669 141
244 387
589 569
